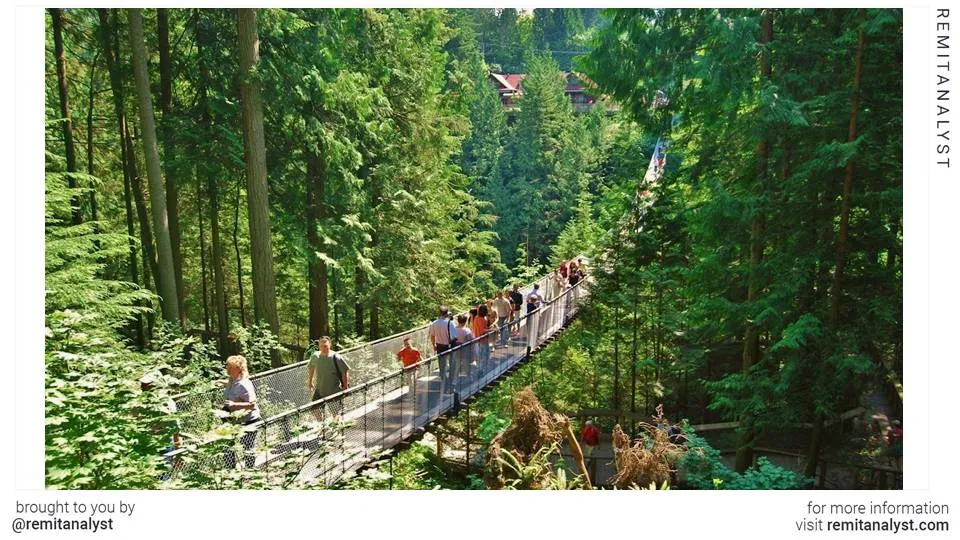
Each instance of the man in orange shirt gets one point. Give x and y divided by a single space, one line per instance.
479 326
408 356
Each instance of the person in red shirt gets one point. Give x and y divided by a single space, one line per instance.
590 437
409 356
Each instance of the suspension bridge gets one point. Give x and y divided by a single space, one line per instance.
324 440
328 438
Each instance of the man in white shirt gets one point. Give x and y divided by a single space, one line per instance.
443 334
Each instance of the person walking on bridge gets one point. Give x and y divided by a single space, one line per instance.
467 354
534 303
409 356
555 285
575 274
502 306
327 374
479 326
516 302
240 395
442 337
534 300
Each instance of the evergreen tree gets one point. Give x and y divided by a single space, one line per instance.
166 278
264 284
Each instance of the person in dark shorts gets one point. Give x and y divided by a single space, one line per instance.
516 303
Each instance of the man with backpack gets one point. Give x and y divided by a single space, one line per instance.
327 374
443 337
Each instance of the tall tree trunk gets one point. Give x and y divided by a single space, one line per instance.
261 249
358 305
149 252
374 318
236 251
203 256
633 366
90 102
158 204
67 124
219 281
150 270
837 292
166 132
816 436
751 340
336 308
128 205
375 206
616 360
316 268
116 88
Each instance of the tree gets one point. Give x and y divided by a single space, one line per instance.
537 190
751 341
816 436
166 129
166 279
201 28
258 206
67 126
761 150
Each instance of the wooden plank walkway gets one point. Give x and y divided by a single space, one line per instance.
330 451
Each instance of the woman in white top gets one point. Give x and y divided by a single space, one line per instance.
240 395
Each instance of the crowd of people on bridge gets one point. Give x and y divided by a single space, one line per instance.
494 321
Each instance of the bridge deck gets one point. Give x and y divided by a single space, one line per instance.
326 439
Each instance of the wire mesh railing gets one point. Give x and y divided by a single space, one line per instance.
282 389
323 440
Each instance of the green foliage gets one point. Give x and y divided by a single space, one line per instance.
415 468
742 236
257 343
492 425
541 471
765 475
703 469
101 430
702 465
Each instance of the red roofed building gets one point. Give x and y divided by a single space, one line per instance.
510 87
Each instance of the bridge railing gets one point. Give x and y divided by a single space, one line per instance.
325 439
284 388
